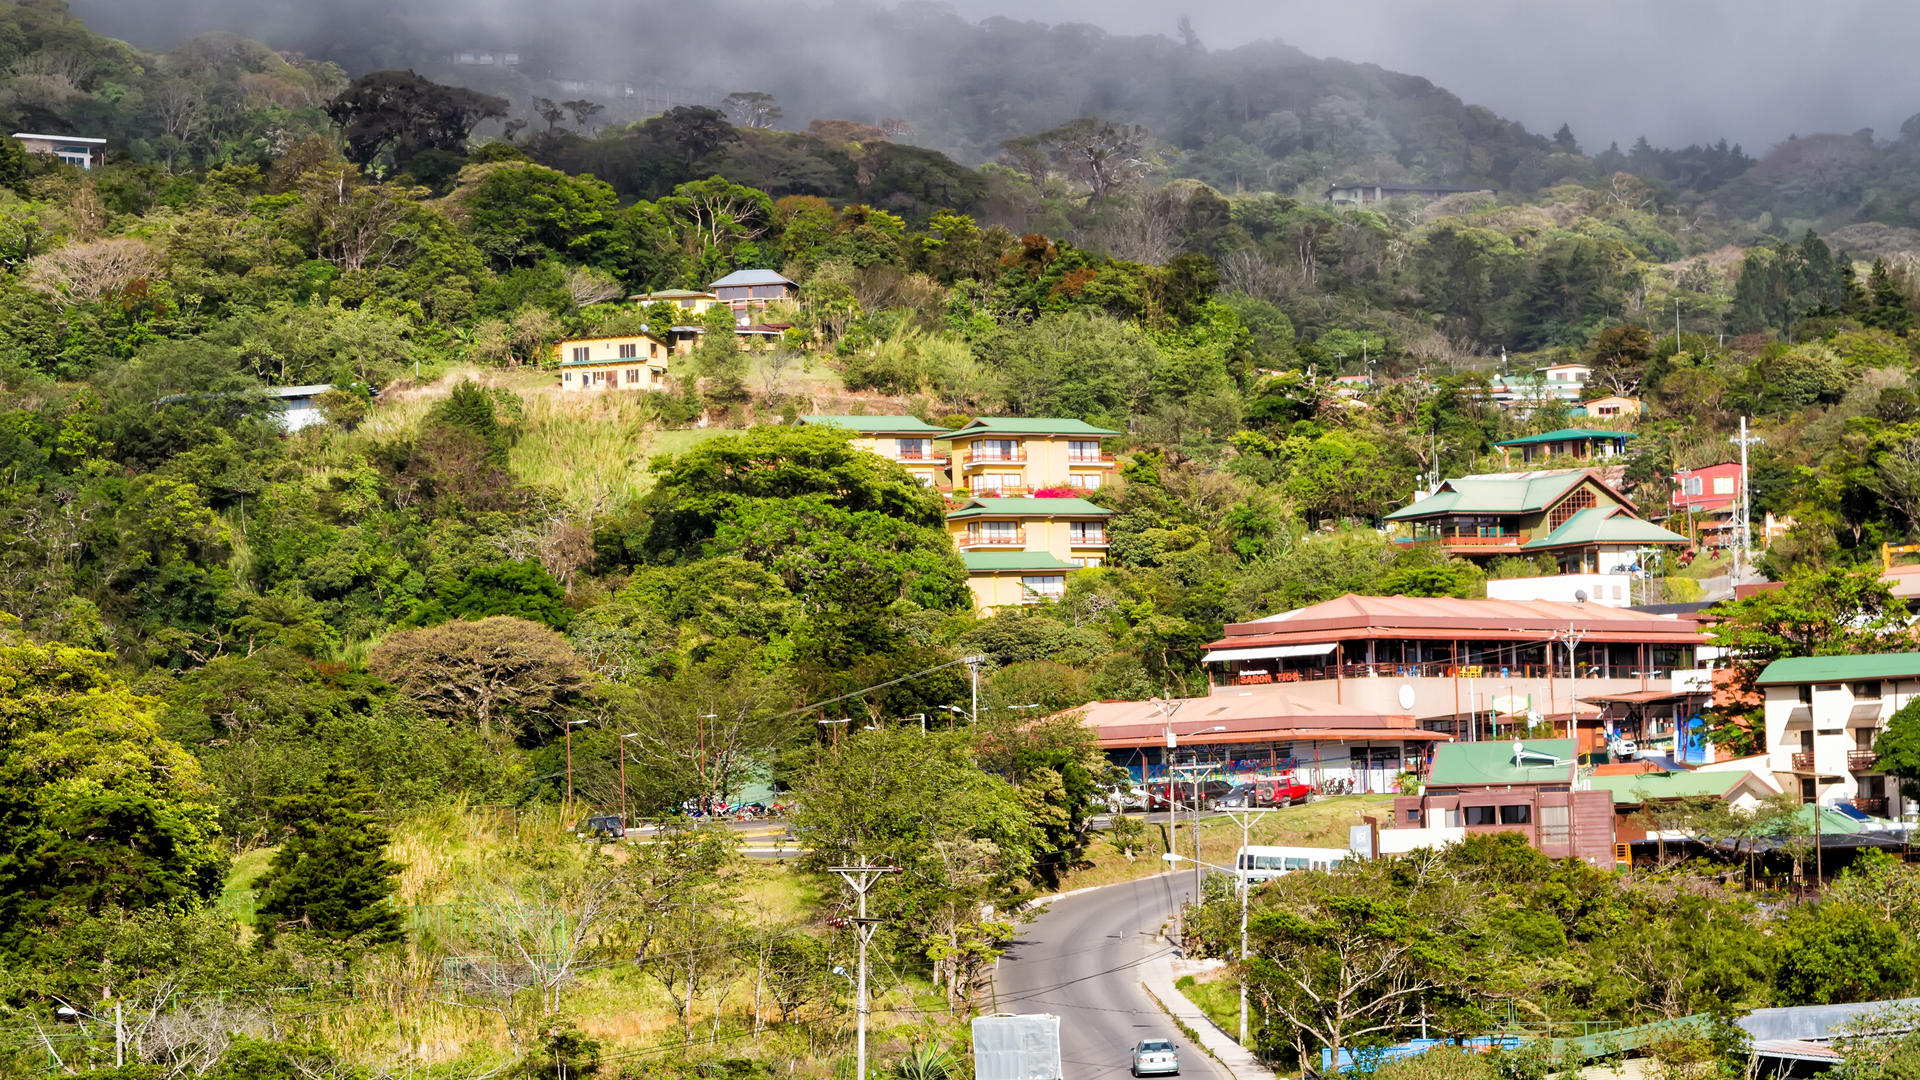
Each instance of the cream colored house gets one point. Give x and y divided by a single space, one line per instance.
1069 533
996 456
613 362
904 439
691 301
1823 714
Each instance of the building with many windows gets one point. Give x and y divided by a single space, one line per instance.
85 153
1584 444
908 440
613 362
748 292
1571 516
1823 714
1004 456
1072 533
1531 787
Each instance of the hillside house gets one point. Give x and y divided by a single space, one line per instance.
1013 577
75 150
1572 516
1584 444
613 362
299 405
1363 194
1823 714
907 440
1530 787
688 300
1705 499
999 456
1634 786
748 292
1612 407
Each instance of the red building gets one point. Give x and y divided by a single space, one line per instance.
1704 498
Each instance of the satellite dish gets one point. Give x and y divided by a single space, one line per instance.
1518 749
1406 695
1579 596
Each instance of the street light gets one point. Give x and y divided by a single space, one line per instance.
1173 807
568 728
622 744
831 725
1245 887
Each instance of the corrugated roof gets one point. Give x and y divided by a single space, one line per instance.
1443 617
877 425
674 294
1822 669
1495 493
1262 717
1639 787
986 562
1481 763
1566 435
751 277
1027 425
1027 507
1605 525
314 390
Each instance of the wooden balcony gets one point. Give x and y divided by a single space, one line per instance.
1803 761
1465 540
921 457
1868 804
1861 760
1091 461
981 541
1087 540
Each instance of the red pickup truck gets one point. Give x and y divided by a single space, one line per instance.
1256 793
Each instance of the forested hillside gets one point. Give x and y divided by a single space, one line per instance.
297 723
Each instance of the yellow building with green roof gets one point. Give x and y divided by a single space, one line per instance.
1041 538
1011 456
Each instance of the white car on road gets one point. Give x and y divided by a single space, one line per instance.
1156 1057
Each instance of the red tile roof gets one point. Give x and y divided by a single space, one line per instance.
1247 719
1353 617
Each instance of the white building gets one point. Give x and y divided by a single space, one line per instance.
1823 714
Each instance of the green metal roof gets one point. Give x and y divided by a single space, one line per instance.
1634 788
1567 435
1496 493
986 562
1827 669
1019 425
1477 763
1028 507
878 425
1832 822
1605 525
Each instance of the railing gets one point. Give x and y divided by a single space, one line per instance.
1462 540
1087 539
921 456
1861 760
1090 459
994 457
1803 761
1436 670
1875 806
1010 491
1015 538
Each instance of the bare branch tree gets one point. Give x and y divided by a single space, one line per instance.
91 272
587 285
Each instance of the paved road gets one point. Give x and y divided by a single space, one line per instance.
1080 962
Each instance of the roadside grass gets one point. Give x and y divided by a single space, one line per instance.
1320 823
1218 995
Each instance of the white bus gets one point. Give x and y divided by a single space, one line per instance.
1259 864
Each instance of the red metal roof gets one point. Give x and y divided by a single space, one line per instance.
1245 719
1353 617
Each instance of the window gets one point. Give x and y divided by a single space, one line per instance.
1806 693
1723 485
633 376
1084 561
925 477
1516 815
653 348
914 449
568 377
1582 499
579 354
1044 586
1086 532
1000 532
1084 481
1477 815
1413 816
1083 450
997 450
629 351
1695 485
1866 691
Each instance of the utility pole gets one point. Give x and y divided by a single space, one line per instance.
1246 885
623 775
568 727
860 879
973 667
1743 507
1572 637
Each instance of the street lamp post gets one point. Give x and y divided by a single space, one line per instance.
1173 809
622 744
568 728
833 726
1244 818
1245 887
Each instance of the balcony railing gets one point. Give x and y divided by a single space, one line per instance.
1014 539
1869 804
1462 540
1090 459
994 457
1087 539
1803 761
1861 760
921 456
1434 670
1009 491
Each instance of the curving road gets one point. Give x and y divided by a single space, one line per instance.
1080 961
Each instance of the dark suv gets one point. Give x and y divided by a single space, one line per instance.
603 827
1187 793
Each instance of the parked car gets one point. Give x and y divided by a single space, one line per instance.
1123 797
603 827
1156 1057
1187 793
1255 793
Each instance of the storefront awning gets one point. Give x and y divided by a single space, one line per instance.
1270 652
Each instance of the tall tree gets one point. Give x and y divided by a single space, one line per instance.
393 115
331 876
